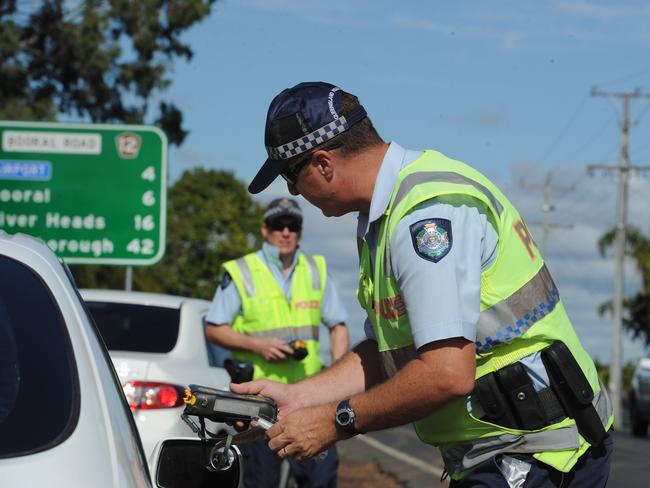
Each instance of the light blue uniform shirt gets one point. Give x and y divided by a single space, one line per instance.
442 298
226 304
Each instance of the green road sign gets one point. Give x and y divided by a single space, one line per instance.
96 194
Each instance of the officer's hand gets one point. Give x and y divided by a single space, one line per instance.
285 399
304 432
274 349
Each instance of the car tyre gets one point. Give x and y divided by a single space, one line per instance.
638 424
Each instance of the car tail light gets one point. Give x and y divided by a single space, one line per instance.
148 395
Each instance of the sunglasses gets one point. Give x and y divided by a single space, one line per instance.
291 174
280 226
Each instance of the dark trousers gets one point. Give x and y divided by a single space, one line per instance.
591 471
262 468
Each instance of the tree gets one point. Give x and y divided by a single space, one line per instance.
101 60
211 219
637 307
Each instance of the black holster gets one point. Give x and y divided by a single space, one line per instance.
239 371
574 391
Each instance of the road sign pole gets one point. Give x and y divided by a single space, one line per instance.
128 281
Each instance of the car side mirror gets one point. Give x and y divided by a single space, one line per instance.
186 462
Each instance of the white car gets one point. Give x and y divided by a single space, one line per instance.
158 346
64 421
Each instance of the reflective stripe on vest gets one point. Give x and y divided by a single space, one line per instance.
466 455
315 276
513 316
304 333
247 277
412 180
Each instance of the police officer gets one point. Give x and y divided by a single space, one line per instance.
268 309
467 335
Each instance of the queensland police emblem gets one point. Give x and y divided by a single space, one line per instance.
432 238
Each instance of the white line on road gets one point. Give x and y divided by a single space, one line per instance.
399 455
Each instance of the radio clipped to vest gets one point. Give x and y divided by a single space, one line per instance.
510 400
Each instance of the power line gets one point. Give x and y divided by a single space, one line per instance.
627 77
547 207
643 112
564 130
590 140
623 169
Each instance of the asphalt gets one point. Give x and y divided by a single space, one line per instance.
399 453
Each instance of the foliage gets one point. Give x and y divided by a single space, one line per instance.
101 60
603 373
211 218
637 307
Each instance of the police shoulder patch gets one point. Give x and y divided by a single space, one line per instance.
225 280
432 238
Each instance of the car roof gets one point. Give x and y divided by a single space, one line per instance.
29 249
139 297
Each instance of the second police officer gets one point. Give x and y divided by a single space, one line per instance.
268 310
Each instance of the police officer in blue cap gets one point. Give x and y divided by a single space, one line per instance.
467 335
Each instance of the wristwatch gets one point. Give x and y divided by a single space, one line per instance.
345 418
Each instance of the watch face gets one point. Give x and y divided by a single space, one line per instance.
344 417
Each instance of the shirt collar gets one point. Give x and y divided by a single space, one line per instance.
395 159
272 256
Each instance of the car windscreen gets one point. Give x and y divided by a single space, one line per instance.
39 388
134 327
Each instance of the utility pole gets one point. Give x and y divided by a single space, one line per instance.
547 208
623 168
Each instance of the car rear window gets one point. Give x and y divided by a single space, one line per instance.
39 388
133 327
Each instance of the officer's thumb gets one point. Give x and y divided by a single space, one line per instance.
248 388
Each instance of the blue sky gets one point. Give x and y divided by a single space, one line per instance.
503 86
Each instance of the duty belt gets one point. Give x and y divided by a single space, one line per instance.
466 455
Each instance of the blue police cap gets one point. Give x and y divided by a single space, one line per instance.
283 207
299 119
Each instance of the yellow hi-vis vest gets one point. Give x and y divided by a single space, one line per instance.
267 313
520 313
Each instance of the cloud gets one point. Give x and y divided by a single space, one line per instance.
188 156
606 13
482 119
332 12
513 26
